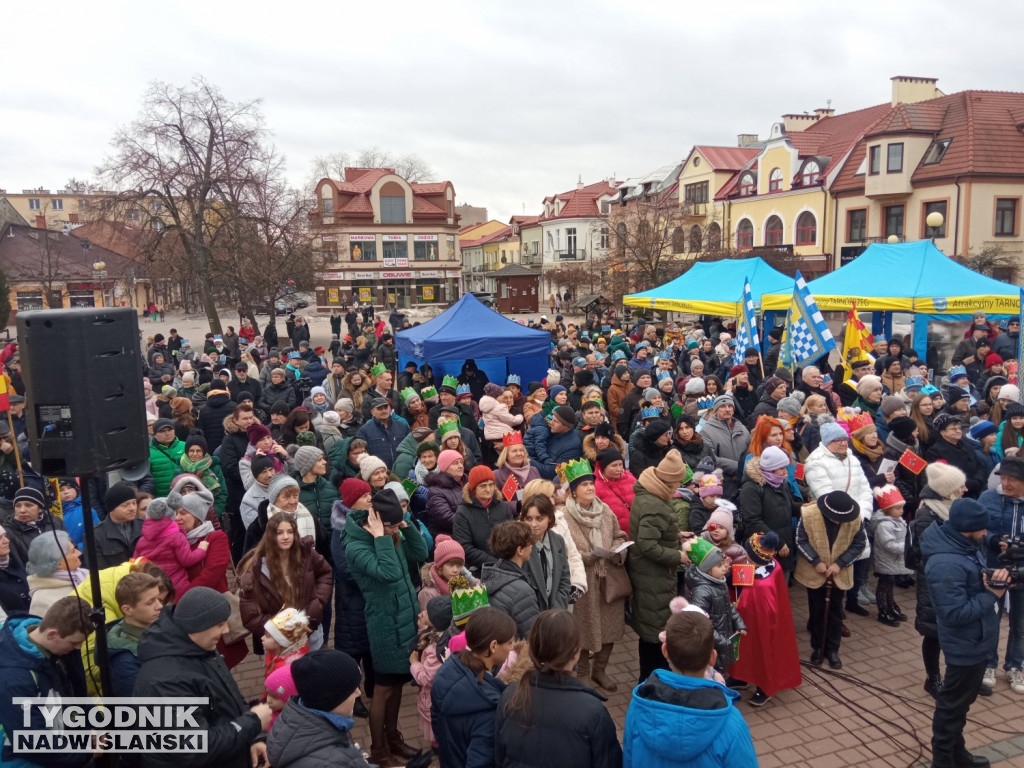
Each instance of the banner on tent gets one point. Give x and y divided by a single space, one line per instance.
723 308
965 304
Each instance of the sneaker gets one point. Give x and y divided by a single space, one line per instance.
865 596
989 680
1016 680
736 684
760 698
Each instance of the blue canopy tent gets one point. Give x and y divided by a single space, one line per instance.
468 329
907 277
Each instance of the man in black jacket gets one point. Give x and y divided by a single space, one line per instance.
120 531
178 658
241 382
954 450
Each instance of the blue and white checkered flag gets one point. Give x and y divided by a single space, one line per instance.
807 336
746 331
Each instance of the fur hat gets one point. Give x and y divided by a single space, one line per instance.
891 404
368 464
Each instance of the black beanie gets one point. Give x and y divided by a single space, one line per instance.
117 495
686 419
605 429
607 456
583 379
201 609
259 464
656 429
620 371
325 678
280 407
196 439
388 507
902 428
439 611
205 376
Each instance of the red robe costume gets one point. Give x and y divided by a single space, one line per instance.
768 655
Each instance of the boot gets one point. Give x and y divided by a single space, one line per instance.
598 674
898 613
583 667
397 746
889 619
360 709
964 759
933 685
383 759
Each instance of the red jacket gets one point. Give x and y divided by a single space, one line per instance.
618 494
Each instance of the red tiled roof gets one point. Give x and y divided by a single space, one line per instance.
430 188
726 158
524 221
580 203
28 254
362 180
352 196
501 234
358 205
729 188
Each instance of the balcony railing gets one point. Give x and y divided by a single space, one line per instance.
532 259
578 254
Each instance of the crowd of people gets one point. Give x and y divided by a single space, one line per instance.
366 528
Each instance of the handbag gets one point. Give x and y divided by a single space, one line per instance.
616 584
236 630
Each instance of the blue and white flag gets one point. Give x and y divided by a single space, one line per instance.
807 335
746 331
1020 347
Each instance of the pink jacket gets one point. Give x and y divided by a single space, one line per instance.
497 419
618 495
164 543
423 672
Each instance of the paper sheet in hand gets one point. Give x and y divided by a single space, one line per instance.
622 547
887 465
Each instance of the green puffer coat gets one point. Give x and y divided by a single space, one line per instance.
164 464
653 562
318 497
381 570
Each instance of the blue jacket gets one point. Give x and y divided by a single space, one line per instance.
548 450
25 671
965 611
668 705
74 523
383 442
350 633
1005 517
463 713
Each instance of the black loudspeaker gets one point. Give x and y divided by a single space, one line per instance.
82 370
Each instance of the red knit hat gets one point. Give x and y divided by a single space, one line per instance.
993 359
256 432
352 490
477 475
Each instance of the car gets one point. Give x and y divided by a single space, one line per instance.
280 308
299 300
487 299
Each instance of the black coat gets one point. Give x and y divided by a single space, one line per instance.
172 665
21 535
963 457
211 418
472 528
763 508
924 619
767 405
568 725
14 587
304 739
643 454
113 546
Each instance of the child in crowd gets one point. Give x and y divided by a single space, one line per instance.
449 562
889 531
165 544
705 580
719 530
71 510
261 443
424 660
682 700
138 595
278 688
285 639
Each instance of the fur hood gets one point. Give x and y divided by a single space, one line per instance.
230 428
590 448
753 470
346 382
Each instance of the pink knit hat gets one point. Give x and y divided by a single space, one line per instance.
446 548
446 459
280 683
722 517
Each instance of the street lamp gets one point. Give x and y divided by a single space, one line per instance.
99 270
892 239
934 220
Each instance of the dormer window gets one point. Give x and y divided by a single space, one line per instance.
810 174
775 180
936 152
894 158
748 184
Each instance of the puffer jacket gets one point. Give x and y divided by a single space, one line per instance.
444 495
380 567
497 419
713 598
462 714
303 738
617 494
473 524
349 604
931 510
653 562
728 444
617 392
341 467
211 418
509 590
259 600
318 497
889 535
824 473
764 508
274 392
164 464
383 440
163 543
644 453
407 455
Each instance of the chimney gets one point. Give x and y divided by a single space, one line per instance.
821 112
40 221
910 90
579 182
746 139
794 123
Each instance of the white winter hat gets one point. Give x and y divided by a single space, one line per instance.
1009 392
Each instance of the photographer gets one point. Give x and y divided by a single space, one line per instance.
965 607
1005 508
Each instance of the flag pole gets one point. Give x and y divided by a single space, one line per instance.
17 450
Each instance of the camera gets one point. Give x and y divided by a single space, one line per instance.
1012 559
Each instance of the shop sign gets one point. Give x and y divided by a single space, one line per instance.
362 238
429 273
394 238
425 238
395 275
365 295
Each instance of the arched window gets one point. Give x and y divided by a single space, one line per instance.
775 180
806 229
773 231
714 236
809 175
748 184
678 241
745 234
697 239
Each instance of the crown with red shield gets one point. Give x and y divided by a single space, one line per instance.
888 496
859 421
511 438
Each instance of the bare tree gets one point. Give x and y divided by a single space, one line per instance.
991 260
81 186
184 153
409 166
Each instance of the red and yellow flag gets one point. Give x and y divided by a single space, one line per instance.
858 342
5 388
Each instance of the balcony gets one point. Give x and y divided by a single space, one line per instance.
532 259
691 208
579 254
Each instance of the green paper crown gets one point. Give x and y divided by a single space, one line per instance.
445 428
676 410
466 599
450 381
408 394
577 469
428 393
697 549
410 486
378 369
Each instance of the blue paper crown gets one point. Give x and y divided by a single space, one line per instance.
704 403
650 412
665 355
462 389
514 379
664 375
618 354
913 381
957 371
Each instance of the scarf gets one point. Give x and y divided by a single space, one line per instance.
202 470
939 507
75 577
650 482
872 454
590 519
341 722
775 481
200 532
521 474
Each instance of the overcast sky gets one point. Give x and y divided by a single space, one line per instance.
511 101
